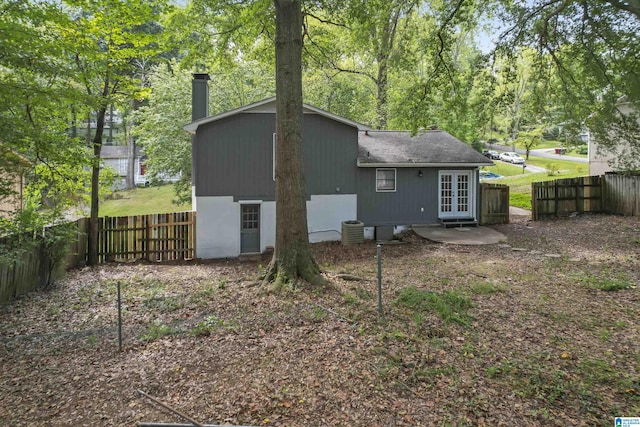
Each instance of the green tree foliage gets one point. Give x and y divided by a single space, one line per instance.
593 48
372 42
159 127
529 139
168 108
36 93
104 40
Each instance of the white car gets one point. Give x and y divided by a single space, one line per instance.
512 158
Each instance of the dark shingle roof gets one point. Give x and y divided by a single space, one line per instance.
427 148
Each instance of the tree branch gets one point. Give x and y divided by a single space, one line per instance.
632 6
331 62
324 21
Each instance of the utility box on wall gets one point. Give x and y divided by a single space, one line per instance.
384 232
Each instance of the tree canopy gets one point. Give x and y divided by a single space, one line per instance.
404 64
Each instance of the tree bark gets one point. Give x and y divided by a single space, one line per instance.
292 258
382 83
131 148
95 188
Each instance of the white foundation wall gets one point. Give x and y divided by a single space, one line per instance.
325 214
218 222
267 225
217 227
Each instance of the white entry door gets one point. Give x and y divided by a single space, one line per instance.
456 194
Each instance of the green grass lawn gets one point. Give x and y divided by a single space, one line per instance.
520 183
504 169
158 199
142 201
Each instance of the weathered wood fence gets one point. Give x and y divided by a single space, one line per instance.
612 194
29 266
621 194
494 204
24 275
157 237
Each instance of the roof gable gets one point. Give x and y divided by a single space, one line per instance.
268 106
427 148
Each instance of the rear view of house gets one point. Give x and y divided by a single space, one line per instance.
427 178
381 178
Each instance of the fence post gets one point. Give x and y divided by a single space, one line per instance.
119 319
534 199
379 257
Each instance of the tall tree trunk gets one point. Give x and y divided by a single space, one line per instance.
292 257
131 148
382 82
95 187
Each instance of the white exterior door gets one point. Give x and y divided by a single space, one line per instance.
456 194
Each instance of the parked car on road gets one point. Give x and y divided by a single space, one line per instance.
512 158
491 154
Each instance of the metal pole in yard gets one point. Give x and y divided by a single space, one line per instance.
119 319
379 257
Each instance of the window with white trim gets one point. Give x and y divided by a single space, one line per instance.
385 180
273 149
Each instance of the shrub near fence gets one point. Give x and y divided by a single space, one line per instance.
33 264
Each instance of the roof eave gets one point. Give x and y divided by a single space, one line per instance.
422 165
193 126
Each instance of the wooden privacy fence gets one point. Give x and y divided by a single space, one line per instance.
494 204
156 237
621 194
31 267
613 194
24 275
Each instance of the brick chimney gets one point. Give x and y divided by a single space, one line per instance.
199 96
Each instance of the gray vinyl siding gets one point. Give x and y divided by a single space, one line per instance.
401 207
233 157
330 153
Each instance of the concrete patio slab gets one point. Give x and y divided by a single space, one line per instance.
459 235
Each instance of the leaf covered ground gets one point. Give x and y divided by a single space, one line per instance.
542 332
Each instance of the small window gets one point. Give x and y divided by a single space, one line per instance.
273 150
385 180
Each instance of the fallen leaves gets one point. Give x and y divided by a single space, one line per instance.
325 357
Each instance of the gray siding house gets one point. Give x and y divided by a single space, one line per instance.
381 178
426 178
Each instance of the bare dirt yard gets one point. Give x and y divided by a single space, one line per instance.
543 332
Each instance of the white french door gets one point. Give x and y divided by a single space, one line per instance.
456 194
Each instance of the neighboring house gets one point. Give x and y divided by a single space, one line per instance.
117 158
603 160
382 178
12 170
